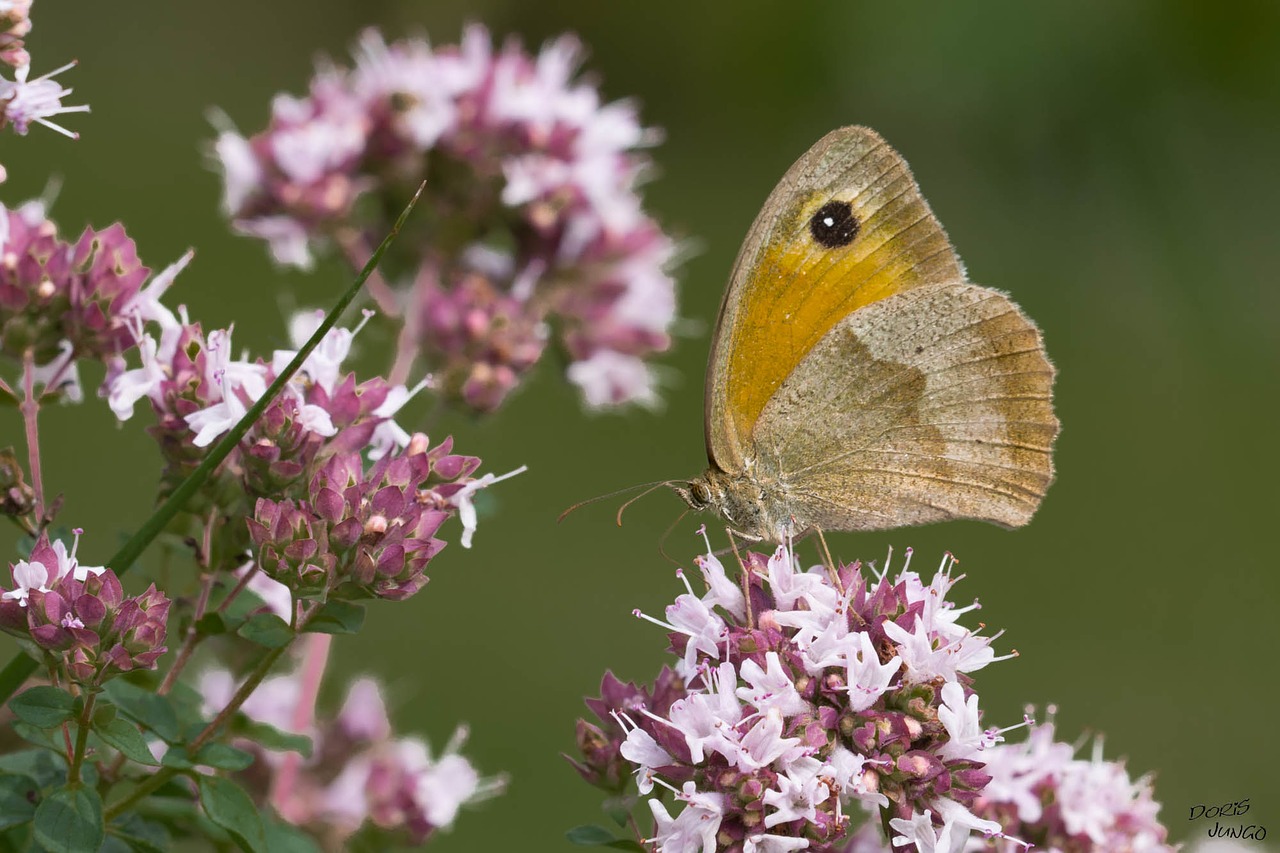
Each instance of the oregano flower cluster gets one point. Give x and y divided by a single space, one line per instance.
532 230
834 709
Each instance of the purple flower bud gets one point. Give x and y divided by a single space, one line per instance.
87 626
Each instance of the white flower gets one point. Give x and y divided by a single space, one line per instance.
704 628
642 750
286 237
960 718
800 791
69 565
241 174
211 422
323 366
26 577
462 499
610 378
790 586
389 435
771 687
773 844
694 829
145 305
444 786
721 591
62 373
868 678
764 744
132 385
706 722
23 101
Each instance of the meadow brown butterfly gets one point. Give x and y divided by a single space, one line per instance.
857 380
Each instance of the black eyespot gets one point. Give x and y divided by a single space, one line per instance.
834 224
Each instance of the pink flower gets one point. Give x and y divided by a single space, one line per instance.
80 616
798 713
24 101
555 173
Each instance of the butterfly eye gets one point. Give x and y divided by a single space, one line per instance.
834 224
701 494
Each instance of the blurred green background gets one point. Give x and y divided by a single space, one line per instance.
1114 166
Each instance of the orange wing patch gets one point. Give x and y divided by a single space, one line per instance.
795 289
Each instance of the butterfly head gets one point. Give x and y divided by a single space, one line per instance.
739 500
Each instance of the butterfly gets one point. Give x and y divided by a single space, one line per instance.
857 379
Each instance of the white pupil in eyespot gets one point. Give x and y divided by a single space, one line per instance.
828 221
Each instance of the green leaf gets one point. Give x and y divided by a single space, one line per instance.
336 617
147 708
70 820
598 836
43 707
283 838
103 712
230 807
124 737
211 625
18 795
267 629
177 758
224 757
36 763
269 737
619 808
46 738
141 835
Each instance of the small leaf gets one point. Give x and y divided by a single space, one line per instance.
140 835
46 738
124 737
336 617
70 820
103 712
43 707
177 758
598 836
283 838
211 625
619 809
18 795
267 629
227 805
146 707
36 763
269 737
589 835
224 757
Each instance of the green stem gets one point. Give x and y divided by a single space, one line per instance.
164 774
82 740
19 669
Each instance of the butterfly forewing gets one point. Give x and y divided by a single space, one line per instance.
793 282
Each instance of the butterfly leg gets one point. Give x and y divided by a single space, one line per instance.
830 564
746 578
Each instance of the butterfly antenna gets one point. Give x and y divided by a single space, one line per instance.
652 488
614 494
663 541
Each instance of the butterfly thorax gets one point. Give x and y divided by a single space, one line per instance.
755 509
